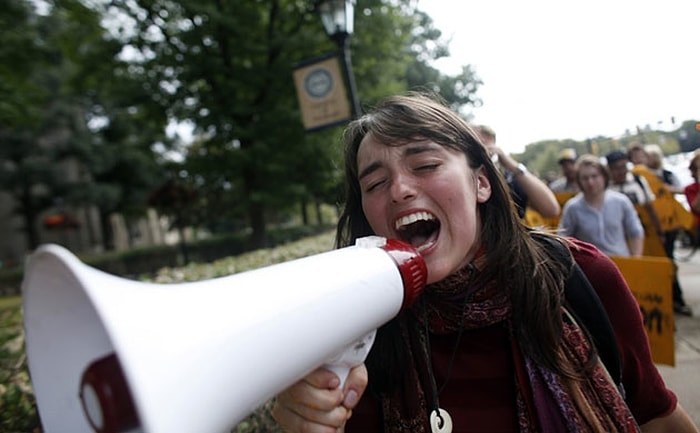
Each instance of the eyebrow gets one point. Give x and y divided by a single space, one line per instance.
408 151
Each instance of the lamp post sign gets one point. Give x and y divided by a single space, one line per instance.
321 93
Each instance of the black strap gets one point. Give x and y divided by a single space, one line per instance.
588 310
638 179
585 305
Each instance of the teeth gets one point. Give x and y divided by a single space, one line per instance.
420 248
411 218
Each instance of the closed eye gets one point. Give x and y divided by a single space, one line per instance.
372 186
427 167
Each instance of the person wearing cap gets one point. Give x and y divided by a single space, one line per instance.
567 182
526 189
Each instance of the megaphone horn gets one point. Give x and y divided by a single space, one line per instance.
108 354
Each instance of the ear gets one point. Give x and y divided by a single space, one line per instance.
483 185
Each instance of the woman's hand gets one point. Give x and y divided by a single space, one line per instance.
315 404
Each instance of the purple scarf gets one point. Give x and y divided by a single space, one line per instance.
554 404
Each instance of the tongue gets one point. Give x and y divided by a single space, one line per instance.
418 240
420 233
421 239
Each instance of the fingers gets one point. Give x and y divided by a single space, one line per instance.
355 386
312 405
300 418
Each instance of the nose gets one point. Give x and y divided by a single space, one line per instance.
402 188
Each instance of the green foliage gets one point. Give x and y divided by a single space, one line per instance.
252 260
688 135
541 157
104 79
17 408
226 68
85 134
20 98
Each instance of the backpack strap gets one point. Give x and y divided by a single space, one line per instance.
585 306
638 179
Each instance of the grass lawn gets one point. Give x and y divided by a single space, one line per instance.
10 302
17 406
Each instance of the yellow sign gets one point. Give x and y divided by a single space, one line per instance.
650 279
653 246
672 215
321 93
562 198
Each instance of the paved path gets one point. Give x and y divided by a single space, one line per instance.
684 378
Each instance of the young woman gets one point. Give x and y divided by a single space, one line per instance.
490 345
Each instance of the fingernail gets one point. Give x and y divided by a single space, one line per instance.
351 399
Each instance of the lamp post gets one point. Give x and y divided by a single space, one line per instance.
337 18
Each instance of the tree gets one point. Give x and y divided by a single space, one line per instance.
38 124
688 136
226 68
77 127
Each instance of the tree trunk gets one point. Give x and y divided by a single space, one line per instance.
107 232
319 215
304 213
29 215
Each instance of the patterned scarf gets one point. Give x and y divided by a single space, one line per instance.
556 404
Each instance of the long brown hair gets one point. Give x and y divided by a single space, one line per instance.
515 260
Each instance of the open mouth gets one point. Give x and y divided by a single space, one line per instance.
420 229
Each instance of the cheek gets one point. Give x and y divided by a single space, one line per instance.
376 217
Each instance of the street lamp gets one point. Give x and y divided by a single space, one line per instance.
337 18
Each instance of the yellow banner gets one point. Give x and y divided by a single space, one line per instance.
653 246
321 93
672 215
534 219
650 279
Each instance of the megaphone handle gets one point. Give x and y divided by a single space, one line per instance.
350 357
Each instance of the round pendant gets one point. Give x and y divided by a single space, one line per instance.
440 421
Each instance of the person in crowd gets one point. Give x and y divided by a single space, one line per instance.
490 344
672 185
692 191
526 188
600 216
567 181
655 161
649 171
634 186
636 153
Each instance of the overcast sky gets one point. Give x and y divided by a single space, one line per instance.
561 69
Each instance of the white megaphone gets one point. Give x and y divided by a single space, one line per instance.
108 354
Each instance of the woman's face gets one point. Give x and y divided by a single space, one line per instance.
425 194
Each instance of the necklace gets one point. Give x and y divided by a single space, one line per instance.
440 419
